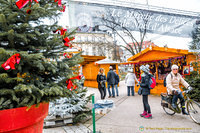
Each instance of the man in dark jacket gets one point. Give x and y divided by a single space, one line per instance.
111 81
116 82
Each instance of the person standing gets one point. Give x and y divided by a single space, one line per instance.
101 79
111 81
116 82
130 82
145 90
173 80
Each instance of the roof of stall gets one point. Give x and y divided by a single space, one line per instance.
106 61
157 53
89 58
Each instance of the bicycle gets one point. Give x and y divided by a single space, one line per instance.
193 107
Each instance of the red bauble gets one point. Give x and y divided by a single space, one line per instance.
29 11
10 63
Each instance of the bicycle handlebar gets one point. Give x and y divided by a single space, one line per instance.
186 91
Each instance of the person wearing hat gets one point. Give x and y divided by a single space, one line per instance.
173 80
111 81
130 82
145 90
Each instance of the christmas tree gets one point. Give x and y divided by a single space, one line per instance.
33 68
194 78
75 105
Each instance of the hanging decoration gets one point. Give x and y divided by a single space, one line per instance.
163 66
70 84
63 10
28 11
10 63
59 2
67 41
60 31
67 55
21 3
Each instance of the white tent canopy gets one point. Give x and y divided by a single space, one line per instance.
106 61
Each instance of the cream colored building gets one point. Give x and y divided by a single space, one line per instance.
95 43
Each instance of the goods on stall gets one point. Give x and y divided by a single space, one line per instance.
163 66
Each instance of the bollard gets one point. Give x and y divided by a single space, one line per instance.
93 114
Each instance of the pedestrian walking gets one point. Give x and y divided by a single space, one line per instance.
111 81
116 82
101 79
130 82
144 90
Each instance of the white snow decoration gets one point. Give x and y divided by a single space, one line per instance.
64 106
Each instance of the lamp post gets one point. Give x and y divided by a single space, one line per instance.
93 115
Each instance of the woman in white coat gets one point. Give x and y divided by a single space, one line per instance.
130 82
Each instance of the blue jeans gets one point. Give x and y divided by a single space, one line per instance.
180 96
113 91
116 87
130 88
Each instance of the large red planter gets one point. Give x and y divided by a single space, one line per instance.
21 120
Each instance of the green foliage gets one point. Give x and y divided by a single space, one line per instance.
195 83
41 74
80 103
195 37
194 80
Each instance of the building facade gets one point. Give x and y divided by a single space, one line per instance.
96 43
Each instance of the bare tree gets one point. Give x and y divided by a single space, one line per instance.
117 24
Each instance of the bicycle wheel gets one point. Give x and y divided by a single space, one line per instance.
193 109
168 110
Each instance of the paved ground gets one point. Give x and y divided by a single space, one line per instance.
68 129
124 118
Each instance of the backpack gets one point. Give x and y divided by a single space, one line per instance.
152 83
165 80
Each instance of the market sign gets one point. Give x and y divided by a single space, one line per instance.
158 22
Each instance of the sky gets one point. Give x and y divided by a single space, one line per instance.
188 5
161 40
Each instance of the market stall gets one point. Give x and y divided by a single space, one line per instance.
91 66
160 60
105 64
90 70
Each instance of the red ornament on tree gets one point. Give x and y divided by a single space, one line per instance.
28 11
66 55
70 85
67 41
59 2
60 31
21 3
63 10
10 63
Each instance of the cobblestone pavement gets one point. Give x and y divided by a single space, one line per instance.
124 118
68 129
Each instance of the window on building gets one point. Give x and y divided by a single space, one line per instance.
90 39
